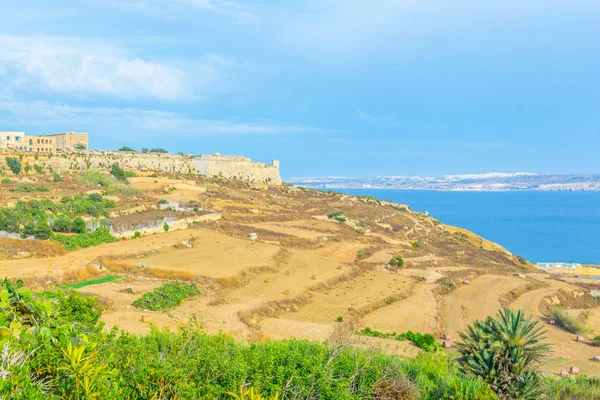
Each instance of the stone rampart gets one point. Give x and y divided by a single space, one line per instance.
228 167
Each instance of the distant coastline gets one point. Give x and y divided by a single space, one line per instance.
541 226
490 182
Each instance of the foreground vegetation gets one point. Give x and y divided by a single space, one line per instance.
53 347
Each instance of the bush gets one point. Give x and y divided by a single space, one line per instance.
137 235
423 341
95 197
42 230
28 229
567 322
166 227
126 148
158 150
6 181
167 296
62 223
596 341
56 177
415 244
14 164
30 189
118 172
80 146
334 214
78 226
38 169
397 261
83 240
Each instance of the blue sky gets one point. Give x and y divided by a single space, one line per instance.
329 87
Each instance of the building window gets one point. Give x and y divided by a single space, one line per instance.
17 138
30 142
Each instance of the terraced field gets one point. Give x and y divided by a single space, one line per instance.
305 273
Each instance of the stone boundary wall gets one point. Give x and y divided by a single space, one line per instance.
227 167
183 223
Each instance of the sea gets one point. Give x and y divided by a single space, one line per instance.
539 226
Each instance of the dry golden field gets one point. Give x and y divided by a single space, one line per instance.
305 272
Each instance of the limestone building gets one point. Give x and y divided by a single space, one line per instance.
40 144
12 140
69 141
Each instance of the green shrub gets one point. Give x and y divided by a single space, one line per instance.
14 164
62 223
6 181
567 322
28 229
126 148
340 319
118 172
83 240
95 197
397 261
38 169
56 177
415 243
43 230
78 226
336 213
424 341
80 146
137 235
21 188
158 150
166 227
167 296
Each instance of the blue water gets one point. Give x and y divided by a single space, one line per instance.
540 226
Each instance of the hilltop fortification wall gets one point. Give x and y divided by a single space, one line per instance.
228 167
236 167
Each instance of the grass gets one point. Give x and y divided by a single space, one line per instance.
567 322
167 296
97 281
108 182
580 388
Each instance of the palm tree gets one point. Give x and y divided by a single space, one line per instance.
504 352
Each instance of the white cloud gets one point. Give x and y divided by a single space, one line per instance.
174 8
70 65
137 123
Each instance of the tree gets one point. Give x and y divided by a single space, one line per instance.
158 150
126 148
78 226
504 352
81 146
14 164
